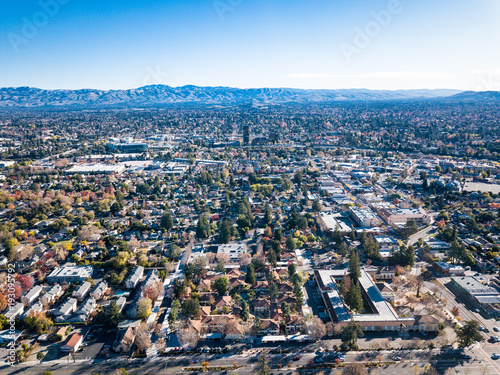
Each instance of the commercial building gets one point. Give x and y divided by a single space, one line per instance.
335 220
400 216
96 169
70 274
127 147
233 251
483 297
382 316
364 217
449 269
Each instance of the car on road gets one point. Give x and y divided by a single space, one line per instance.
296 358
481 328
397 358
495 356
496 329
318 360
486 329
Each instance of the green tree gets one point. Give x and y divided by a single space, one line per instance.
278 235
469 333
316 206
267 215
110 315
167 222
354 268
221 285
225 233
291 244
350 334
203 227
245 312
273 291
285 308
273 259
292 270
262 367
354 298
250 277
191 307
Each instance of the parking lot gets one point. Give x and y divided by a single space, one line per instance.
314 299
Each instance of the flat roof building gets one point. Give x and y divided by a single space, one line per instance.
383 317
70 274
232 250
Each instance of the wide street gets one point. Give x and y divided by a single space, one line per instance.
413 361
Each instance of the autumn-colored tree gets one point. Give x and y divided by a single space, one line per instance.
25 281
153 291
455 311
3 302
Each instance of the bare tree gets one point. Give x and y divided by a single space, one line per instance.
187 336
157 329
223 257
245 259
317 329
142 337
354 369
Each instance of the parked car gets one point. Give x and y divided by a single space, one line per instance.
318 360
495 356
496 329
486 329
397 358
296 358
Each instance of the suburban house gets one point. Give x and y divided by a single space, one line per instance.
67 308
134 278
81 292
124 340
52 294
14 311
100 290
73 344
32 295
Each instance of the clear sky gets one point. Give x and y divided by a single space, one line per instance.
120 44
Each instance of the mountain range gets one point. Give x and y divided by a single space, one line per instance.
154 95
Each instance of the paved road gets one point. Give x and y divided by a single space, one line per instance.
412 240
172 365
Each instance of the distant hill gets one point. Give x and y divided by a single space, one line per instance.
28 97
476 96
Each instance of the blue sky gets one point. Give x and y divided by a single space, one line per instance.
120 44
